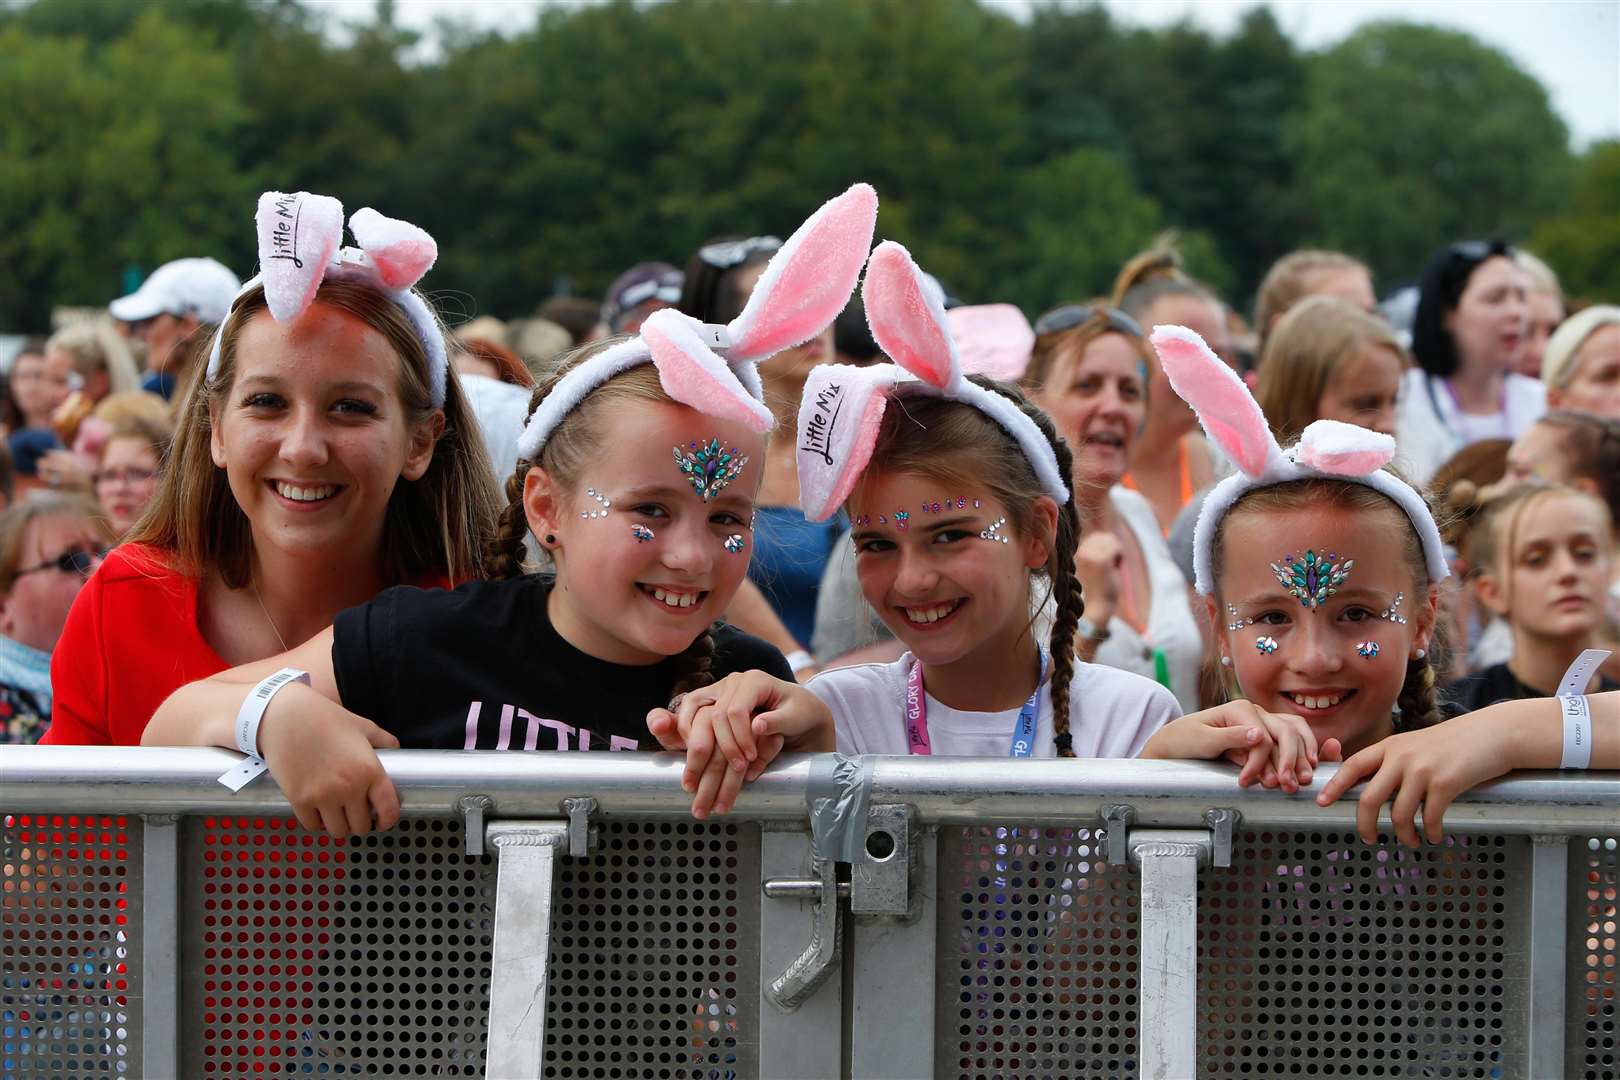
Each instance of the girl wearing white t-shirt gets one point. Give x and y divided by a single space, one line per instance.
959 494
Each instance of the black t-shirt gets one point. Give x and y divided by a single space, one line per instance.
480 667
1496 683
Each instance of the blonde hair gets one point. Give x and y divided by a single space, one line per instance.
95 347
1417 697
435 526
17 517
138 404
1494 529
1311 341
1288 282
1558 367
1542 278
1154 274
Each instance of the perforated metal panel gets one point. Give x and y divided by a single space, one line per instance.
1322 956
69 918
1594 958
306 956
1318 956
655 954
1036 956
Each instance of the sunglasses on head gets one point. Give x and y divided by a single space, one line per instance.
728 253
72 561
1070 316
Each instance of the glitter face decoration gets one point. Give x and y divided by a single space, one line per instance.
1313 578
1367 649
1237 623
734 544
1393 612
994 531
708 468
902 520
863 521
641 533
1266 645
601 499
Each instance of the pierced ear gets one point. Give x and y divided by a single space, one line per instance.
423 441
540 502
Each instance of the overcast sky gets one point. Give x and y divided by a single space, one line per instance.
1572 46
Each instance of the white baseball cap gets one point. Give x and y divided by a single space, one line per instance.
200 287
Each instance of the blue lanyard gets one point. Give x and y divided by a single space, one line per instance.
1022 743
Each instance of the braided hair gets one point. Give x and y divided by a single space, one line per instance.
576 441
955 444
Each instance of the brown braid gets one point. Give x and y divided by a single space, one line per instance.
1417 700
693 670
1065 585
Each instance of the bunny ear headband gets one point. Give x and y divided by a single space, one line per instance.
1327 450
842 406
299 234
714 369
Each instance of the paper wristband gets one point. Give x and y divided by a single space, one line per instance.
247 726
1576 710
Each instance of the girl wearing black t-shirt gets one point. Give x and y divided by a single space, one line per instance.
641 460
1544 558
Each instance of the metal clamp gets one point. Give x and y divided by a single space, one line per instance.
881 880
1223 823
473 809
580 833
1117 821
790 989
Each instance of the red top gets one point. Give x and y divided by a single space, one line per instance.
130 641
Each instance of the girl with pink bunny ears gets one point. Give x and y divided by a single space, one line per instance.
641 461
959 491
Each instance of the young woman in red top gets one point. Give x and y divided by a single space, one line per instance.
325 456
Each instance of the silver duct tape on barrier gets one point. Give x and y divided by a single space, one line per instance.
955 791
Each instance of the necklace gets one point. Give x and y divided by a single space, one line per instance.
267 618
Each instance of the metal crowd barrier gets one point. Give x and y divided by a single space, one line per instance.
563 916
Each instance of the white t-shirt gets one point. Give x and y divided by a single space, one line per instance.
1112 714
1171 627
1429 428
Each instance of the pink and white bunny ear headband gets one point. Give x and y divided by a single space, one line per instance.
714 369
1327 449
299 234
842 406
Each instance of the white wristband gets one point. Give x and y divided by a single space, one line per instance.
247 726
798 660
1576 711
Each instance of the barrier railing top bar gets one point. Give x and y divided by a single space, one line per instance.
947 791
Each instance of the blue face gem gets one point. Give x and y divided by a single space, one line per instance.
1266 645
641 533
709 468
902 519
734 544
1367 649
1314 578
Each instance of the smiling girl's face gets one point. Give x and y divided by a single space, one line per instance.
943 580
645 562
1339 663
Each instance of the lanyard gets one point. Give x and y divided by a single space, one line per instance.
1440 414
1022 743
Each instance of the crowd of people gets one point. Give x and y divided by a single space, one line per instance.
300 517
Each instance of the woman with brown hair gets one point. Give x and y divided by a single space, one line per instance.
324 456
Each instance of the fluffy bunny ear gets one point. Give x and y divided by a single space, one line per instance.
992 339
839 415
808 282
298 235
693 374
1343 449
907 316
401 252
1225 408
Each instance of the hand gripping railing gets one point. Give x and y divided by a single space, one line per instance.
1167 818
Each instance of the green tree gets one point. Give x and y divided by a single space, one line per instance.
1583 244
99 176
1412 137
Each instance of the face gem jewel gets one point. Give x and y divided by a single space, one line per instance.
1312 579
882 520
1236 623
709 468
902 520
641 533
961 503
734 544
863 520
975 504
1393 612
994 531
1367 649
1266 645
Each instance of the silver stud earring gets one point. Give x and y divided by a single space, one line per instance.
1421 654
1226 661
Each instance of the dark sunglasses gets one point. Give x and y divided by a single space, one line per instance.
1070 316
728 253
72 561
